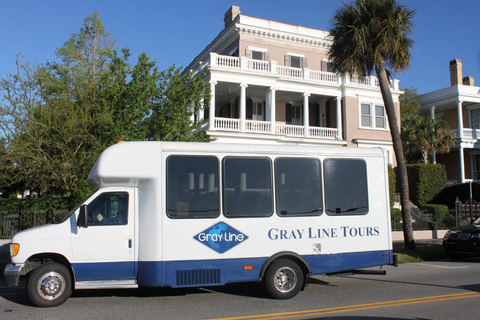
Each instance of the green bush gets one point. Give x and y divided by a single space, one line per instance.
392 182
40 204
439 214
461 190
396 215
425 182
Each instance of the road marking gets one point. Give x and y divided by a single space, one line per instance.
441 267
374 305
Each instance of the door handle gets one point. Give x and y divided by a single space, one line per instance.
129 243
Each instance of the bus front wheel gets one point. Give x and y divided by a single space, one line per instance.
49 285
284 279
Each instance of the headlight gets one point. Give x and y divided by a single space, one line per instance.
447 234
14 248
475 236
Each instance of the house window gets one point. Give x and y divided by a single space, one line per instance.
258 111
366 115
257 54
327 66
373 116
380 121
476 166
475 118
295 61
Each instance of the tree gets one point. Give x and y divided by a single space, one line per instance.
56 117
422 135
370 36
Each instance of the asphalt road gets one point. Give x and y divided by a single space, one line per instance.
428 290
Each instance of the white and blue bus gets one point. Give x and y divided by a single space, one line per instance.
206 214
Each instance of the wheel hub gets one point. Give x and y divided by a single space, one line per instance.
51 285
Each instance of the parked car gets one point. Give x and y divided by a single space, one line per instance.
463 242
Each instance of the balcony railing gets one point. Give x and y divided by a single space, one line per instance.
264 127
271 67
468 133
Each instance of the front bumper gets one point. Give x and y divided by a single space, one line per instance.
12 275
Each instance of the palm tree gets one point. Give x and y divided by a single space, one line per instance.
426 135
369 36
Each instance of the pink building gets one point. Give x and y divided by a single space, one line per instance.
271 82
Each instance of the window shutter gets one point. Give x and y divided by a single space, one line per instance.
304 63
288 61
266 56
248 53
324 66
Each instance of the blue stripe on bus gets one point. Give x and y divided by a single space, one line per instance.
191 273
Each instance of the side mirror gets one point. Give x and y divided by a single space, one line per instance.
82 220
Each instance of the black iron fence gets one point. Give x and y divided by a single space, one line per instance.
14 221
423 220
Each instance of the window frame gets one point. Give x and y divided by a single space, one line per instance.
218 181
277 189
224 184
325 188
372 116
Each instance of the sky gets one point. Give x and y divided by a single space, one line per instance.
174 32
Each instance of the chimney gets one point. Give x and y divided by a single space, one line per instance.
231 14
455 72
468 81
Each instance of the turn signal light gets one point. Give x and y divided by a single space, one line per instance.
14 248
247 267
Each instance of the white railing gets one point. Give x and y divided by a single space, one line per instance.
323 76
290 130
468 133
290 72
227 124
257 126
326 133
259 65
226 61
243 63
359 80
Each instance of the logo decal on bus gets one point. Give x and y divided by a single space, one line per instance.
220 237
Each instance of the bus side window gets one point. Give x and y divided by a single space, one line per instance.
298 187
192 187
247 187
345 186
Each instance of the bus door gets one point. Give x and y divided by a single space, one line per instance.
104 251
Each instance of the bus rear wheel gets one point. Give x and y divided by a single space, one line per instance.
284 279
49 285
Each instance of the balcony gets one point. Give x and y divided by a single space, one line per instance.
271 67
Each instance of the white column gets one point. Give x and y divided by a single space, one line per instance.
306 120
339 118
460 119
211 113
243 105
272 110
460 137
432 115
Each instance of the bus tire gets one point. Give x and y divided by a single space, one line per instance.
284 279
49 285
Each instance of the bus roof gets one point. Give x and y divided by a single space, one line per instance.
133 163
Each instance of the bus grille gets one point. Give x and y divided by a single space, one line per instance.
198 277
